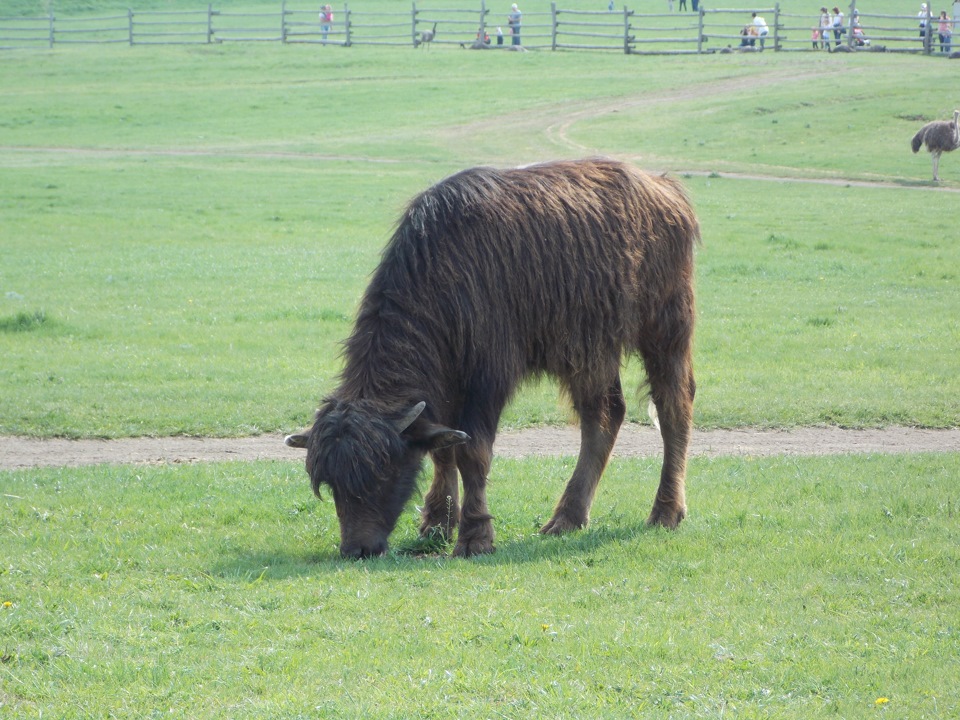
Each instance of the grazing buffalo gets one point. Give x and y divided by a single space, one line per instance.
493 276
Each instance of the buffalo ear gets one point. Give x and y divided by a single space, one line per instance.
296 441
438 436
431 437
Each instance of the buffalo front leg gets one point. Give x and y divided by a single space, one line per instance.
441 508
600 421
476 524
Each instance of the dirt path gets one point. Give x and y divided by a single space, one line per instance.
634 441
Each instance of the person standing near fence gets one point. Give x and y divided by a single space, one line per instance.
837 23
824 28
924 15
944 32
326 21
513 20
762 29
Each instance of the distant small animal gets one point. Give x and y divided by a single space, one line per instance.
939 136
493 276
427 36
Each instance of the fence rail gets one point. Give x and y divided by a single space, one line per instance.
705 30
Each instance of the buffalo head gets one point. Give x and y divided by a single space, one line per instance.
370 459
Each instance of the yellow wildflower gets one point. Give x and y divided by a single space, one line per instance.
881 701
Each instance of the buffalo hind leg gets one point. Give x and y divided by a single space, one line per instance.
475 536
672 388
600 421
441 508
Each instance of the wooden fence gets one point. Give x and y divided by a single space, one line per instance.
701 30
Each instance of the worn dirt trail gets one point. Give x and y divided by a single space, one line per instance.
634 441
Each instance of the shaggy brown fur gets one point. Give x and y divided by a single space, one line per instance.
493 276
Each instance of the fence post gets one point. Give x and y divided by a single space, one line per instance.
413 24
928 33
130 26
626 31
776 27
51 28
209 23
346 25
483 21
850 21
955 25
553 26
283 22
700 29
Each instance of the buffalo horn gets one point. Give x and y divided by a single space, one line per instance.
296 441
407 420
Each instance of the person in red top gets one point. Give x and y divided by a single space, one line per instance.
326 21
944 31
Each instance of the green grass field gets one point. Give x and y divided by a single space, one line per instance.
808 588
185 233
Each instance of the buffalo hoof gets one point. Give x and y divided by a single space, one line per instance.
442 521
668 517
430 530
477 540
477 547
560 525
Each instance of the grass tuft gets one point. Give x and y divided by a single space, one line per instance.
434 543
24 322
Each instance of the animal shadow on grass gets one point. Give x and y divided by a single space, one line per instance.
903 182
599 535
285 563
514 548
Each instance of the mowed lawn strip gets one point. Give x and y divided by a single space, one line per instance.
798 587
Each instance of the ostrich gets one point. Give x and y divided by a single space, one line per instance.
427 36
939 136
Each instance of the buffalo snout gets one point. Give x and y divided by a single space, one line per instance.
361 550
